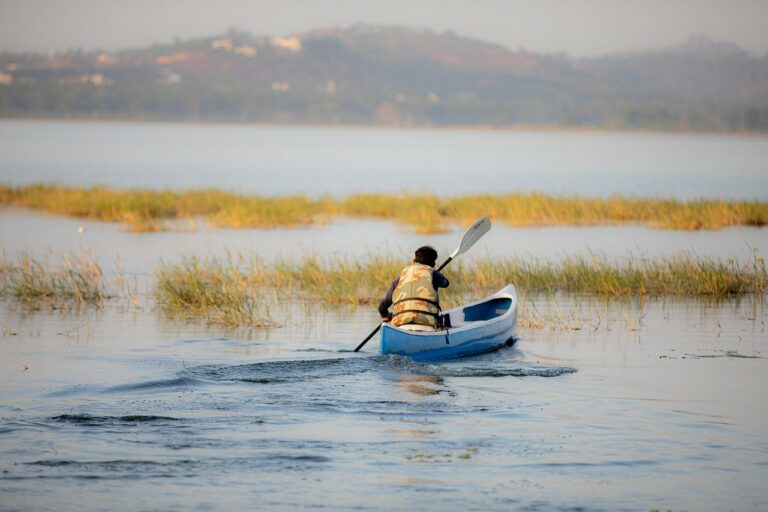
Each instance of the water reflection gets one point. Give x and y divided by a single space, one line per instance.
421 385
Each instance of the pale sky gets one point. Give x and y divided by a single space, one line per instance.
577 27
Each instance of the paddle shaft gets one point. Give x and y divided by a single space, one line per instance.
450 258
369 337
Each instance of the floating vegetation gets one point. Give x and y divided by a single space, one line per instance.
55 281
152 210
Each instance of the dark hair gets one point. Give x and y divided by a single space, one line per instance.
426 256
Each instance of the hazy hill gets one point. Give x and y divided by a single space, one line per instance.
393 76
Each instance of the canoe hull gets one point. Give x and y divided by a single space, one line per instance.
479 327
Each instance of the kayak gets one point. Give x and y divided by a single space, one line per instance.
475 328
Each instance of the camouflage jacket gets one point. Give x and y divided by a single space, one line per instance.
415 282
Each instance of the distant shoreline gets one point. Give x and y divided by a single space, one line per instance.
521 128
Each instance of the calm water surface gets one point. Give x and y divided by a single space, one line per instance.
340 161
25 231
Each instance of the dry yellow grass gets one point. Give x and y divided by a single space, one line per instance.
147 210
237 290
68 279
364 281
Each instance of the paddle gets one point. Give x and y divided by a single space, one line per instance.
468 239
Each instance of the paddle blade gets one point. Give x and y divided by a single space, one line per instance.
472 235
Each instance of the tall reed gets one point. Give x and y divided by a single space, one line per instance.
214 290
56 281
216 286
682 275
239 290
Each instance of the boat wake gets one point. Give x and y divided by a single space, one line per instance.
89 420
271 372
181 382
289 371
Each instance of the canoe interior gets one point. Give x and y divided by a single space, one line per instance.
479 312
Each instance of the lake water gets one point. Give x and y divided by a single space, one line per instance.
341 161
639 405
108 409
25 231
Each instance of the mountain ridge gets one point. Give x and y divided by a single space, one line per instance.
389 75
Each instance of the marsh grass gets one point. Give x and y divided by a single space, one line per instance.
239 290
57 282
227 290
144 210
682 275
217 291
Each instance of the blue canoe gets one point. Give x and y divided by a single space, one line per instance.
478 327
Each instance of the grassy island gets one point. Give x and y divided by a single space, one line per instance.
157 210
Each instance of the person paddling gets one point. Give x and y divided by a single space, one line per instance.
413 296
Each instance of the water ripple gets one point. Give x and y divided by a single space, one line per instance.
311 369
147 468
182 382
96 421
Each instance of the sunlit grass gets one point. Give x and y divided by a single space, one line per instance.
216 291
238 290
427 214
148 210
677 276
57 282
217 287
